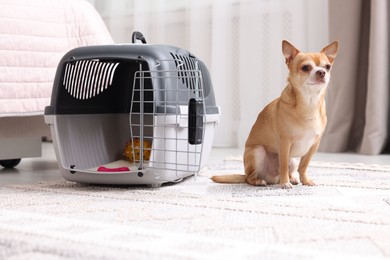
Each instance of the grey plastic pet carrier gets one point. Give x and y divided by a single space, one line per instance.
131 114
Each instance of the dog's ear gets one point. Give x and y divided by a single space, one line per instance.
289 51
331 50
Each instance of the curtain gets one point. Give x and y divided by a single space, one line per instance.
238 40
358 98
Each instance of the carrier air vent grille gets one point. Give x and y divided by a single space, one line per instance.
187 70
85 79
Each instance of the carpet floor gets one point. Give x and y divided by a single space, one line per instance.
347 215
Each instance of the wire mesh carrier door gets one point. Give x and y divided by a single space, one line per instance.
167 124
145 114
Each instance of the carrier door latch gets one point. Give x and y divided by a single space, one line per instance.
195 121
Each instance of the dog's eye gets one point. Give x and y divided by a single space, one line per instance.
305 68
328 67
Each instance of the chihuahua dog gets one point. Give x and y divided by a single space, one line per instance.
291 126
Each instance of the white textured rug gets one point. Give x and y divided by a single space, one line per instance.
346 216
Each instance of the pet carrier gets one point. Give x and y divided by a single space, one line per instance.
131 114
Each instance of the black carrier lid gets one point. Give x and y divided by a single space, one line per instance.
109 79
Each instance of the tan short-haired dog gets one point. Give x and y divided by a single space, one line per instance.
290 126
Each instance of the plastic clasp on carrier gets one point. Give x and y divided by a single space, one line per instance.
195 121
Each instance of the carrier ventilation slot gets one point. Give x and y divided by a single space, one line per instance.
187 70
87 78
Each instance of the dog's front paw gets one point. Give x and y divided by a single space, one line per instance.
308 182
285 185
294 181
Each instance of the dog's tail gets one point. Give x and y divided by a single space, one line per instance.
231 178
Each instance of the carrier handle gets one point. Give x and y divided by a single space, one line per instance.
138 36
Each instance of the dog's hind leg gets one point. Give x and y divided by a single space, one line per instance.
254 162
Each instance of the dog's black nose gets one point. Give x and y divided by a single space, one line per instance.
320 73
